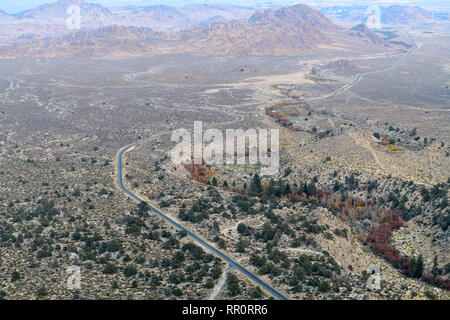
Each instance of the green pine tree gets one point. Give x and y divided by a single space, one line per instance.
419 267
256 184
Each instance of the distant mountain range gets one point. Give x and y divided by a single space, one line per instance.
5 16
161 18
157 17
294 30
405 15
58 10
167 18
395 15
284 31
201 13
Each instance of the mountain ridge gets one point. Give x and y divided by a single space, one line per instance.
58 10
362 31
404 15
294 30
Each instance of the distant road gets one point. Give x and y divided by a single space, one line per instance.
238 117
232 263
359 76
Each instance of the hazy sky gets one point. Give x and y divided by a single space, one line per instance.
14 6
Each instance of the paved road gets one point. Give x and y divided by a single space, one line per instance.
238 117
232 263
359 76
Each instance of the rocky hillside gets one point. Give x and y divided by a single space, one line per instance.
404 15
395 15
280 32
363 32
294 15
201 13
121 41
90 13
160 17
294 30
343 67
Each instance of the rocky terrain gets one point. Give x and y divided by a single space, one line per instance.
405 15
394 15
294 30
158 17
343 67
363 180
363 32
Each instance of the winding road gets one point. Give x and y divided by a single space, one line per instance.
232 263
359 76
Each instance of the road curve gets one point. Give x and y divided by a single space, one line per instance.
232 263
238 117
359 76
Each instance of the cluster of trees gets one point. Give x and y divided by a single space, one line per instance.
348 207
245 204
316 269
200 210
380 240
264 267
243 229
352 182
437 281
437 195
269 233
416 267
134 226
201 173
279 189
233 285
311 226
281 119
413 267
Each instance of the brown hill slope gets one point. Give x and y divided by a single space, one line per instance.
284 31
404 15
294 30
363 32
58 10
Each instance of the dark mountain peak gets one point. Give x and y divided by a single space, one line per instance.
296 15
362 31
404 14
262 15
295 30
58 10
362 27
